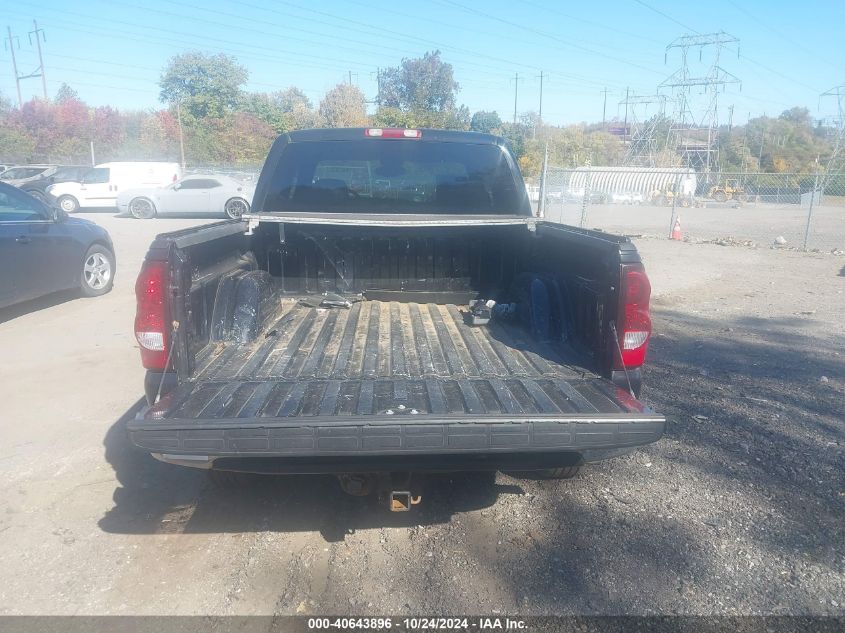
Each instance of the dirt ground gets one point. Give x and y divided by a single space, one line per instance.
738 510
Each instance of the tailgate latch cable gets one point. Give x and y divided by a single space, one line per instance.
175 326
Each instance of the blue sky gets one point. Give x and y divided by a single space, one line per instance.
112 51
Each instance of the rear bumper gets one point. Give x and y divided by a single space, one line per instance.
340 445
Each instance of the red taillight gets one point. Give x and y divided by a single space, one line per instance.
634 325
151 316
391 132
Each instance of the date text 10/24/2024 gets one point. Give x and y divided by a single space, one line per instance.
418 624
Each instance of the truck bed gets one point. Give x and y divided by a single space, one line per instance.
389 377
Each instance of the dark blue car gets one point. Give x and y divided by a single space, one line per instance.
43 250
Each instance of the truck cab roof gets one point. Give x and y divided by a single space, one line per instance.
426 134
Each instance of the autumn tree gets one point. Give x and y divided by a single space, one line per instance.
343 106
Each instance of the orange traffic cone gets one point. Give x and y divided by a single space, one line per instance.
676 230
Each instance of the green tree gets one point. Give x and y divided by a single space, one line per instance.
65 93
265 108
16 145
298 112
423 84
206 85
290 98
343 106
487 122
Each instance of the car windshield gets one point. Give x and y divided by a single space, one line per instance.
70 173
21 172
98 175
385 176
16 206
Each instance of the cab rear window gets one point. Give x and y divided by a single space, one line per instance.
384 176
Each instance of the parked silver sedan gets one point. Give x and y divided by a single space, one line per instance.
208 195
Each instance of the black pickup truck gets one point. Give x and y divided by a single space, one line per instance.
391 304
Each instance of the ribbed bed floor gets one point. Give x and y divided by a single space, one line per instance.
379 358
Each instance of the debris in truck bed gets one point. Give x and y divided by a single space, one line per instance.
328 300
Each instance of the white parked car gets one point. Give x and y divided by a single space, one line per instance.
209 195
101 185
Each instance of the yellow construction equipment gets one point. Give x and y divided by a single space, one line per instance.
728 190
665 198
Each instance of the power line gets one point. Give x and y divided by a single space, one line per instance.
39 32
465 28
218 24
783 36
600 25
345 26
180 43
529 29
107 87
11 42
666 15
371 31
745 57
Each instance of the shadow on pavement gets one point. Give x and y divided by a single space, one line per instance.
34 305
749 473
155 498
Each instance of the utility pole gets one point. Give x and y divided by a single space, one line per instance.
730 118
92 122
604 109
515 95
540 115
39 32
181 139
625 124
378 87
15 65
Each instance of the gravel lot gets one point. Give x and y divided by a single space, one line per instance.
761 223
738 510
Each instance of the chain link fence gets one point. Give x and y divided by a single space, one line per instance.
245 174
798 211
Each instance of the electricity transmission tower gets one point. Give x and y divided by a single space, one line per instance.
696 119
642 150
836 163
10 42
